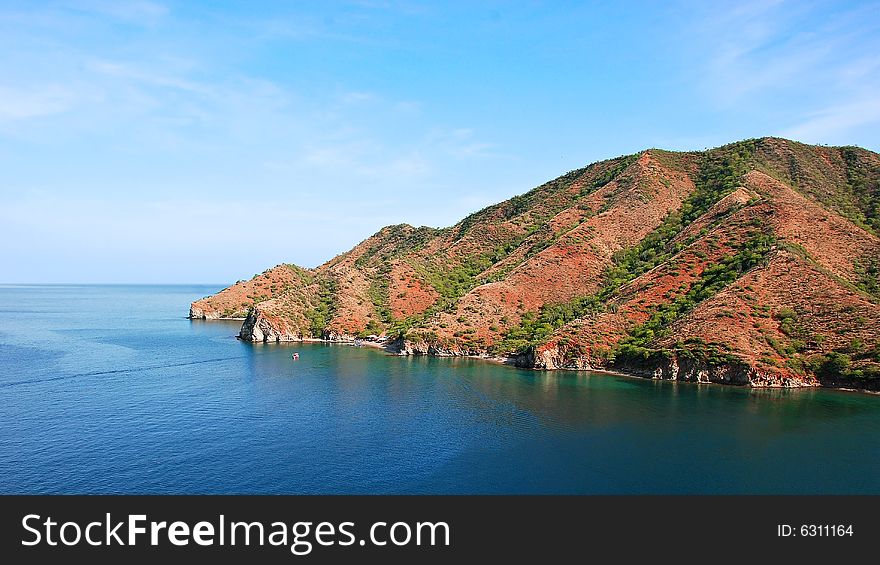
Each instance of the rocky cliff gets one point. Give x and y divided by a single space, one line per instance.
754 263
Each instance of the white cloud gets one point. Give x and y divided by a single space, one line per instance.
39 101
754 48
128 71
409 107
358 97
460 143
128 10
160 145
807 70
830 125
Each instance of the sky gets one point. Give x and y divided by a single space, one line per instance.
151 141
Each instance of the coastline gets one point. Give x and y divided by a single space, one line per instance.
509 361
731 375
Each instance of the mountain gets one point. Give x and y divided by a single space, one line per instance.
753 263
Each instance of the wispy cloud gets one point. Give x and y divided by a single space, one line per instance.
461 143
754 47
365 154
357 97
830 125
128 10
137 74
230 111
815 64
20 104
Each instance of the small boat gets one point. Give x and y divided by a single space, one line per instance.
295 356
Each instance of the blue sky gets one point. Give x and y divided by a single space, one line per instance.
152 141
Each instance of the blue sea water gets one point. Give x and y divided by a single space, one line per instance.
110 389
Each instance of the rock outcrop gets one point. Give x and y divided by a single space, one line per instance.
259 328
197 312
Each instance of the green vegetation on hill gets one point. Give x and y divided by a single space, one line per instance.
321 311
523 203
452 279
864 182
450 282
378 293
395 241
712 280
616 168
835 366
812 171
719 175
868 273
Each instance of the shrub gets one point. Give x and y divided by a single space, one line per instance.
831 365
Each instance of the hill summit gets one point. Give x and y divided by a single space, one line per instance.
754 263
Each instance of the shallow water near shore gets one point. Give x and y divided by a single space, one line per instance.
110 389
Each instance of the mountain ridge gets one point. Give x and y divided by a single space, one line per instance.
620 265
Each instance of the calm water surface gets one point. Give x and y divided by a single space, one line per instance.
110 389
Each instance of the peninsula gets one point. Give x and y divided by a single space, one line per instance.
756 263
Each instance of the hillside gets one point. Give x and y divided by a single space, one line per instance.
754 263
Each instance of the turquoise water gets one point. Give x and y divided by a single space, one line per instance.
110 389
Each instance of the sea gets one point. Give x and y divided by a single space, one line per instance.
111 389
